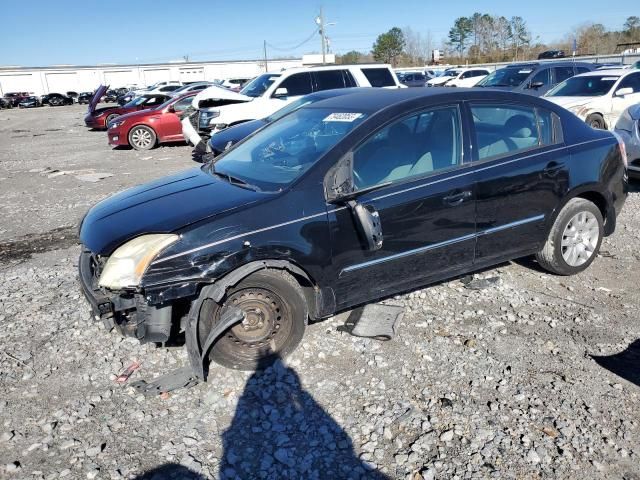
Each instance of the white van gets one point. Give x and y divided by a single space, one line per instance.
218 108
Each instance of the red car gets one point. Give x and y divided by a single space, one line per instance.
99 118
144 130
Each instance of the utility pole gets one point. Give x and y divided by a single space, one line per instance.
323 40
266 65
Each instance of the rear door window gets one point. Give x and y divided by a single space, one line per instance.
505 129
562 73
297 84
329 79
379 77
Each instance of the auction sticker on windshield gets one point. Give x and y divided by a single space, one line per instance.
342 117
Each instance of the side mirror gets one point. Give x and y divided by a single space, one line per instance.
536 85
367 220
621 92
281 93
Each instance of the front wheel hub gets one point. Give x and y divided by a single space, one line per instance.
263 312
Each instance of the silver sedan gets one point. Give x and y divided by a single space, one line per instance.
628 127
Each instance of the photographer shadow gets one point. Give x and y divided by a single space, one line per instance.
625 364
280 431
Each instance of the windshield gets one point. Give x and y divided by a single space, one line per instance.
278 154
259 85
505 77
451 73
588 86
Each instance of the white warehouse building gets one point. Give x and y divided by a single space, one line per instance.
65 78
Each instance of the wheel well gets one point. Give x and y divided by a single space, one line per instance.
597 199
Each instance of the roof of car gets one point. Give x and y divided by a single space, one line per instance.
315 68
558 63
606 73
371 100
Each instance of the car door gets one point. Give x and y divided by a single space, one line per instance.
297 85
425 202
167 123
540 83
521 173
619 103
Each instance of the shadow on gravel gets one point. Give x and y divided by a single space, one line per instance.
625 364
170 471
22 248
280 431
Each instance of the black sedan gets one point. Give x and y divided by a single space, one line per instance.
343 202
6 103
56 99
85 97
30 102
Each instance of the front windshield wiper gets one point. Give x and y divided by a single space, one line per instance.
234 180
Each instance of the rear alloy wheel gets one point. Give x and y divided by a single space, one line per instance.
275 317
142 138
596 121
574 240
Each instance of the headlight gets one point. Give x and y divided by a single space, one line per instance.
207 117
115 124
129 262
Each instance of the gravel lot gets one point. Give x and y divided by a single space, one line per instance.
536 376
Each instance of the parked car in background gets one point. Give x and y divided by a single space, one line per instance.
551 54
461 77
126 97
99 118
145 129
168 89
73 96
30 102
234 84
192 87
16 97
628 128
6 103
392 188
56 100
85 97
218 108
535 78
598 97
228 137
413 79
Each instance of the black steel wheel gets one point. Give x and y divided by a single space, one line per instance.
275 319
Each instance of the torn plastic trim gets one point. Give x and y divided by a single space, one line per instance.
230 315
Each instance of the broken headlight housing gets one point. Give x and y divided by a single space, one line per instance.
206 117
127 264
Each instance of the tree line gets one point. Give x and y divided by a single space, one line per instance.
486 38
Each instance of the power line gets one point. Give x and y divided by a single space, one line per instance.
288 49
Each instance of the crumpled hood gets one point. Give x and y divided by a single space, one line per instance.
215 92
162 206
569 102
440 80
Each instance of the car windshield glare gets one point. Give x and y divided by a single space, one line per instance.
505 77
259 85
301 102
278 154
587 86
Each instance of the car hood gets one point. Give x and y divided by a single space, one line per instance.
220 140
570 102
96 97
162 206
215 96
440 80
137 114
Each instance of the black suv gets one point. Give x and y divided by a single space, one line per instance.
534 78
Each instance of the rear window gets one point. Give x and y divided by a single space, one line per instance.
379 77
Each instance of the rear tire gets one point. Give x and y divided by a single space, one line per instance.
596 121
574 239
275 319
142 138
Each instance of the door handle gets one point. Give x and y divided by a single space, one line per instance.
552 169
457 198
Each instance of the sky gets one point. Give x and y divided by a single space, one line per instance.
90 32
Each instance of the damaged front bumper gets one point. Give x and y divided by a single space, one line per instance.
128 312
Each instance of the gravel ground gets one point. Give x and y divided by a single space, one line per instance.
535 376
